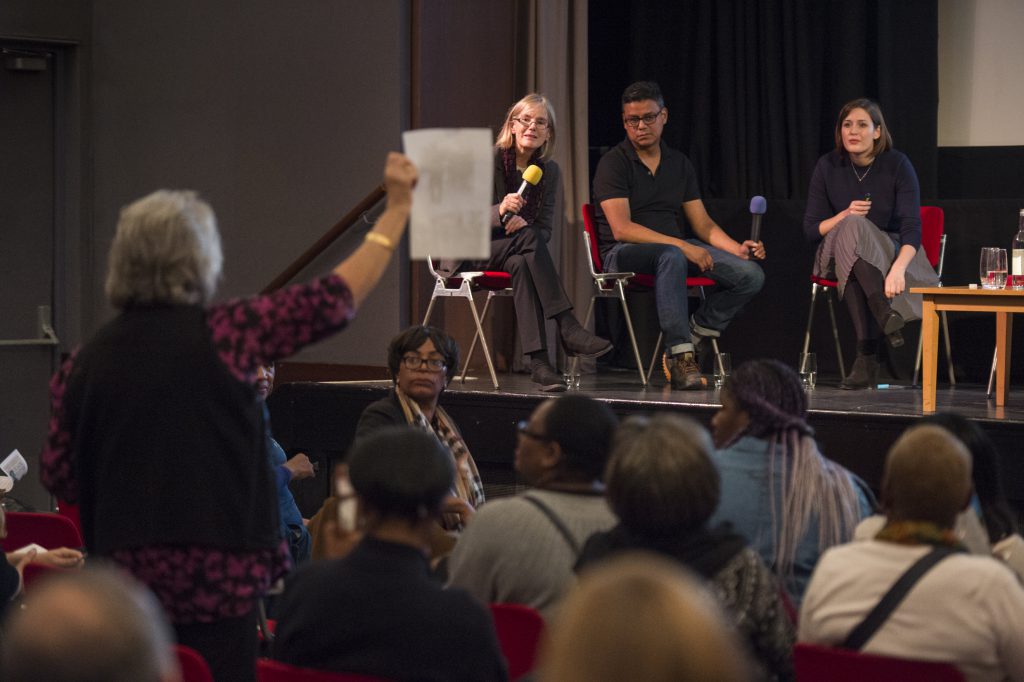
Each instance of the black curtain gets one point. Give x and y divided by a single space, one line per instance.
753 87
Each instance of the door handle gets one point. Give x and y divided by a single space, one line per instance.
47 336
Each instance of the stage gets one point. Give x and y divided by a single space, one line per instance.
854 428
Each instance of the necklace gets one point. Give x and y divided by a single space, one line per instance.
860 178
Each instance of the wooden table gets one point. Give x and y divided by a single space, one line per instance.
1003 302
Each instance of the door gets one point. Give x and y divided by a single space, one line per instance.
27 254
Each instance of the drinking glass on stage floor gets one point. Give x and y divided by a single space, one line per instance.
992 268
808 370
723 368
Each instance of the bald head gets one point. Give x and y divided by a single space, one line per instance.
927 477
88 626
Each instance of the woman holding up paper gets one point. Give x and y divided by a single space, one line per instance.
521 221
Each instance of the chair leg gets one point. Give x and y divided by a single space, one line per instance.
992 373
574 363
629 328
654 358
430 308
835 332
476 336
949 351
810 318
477 320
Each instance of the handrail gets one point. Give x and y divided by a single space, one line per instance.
326 240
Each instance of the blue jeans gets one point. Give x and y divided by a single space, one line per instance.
736 282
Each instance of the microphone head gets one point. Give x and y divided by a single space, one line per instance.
532 175
758 205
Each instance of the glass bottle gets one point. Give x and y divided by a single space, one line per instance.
1017 258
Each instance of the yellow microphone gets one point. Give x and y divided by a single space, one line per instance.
531 176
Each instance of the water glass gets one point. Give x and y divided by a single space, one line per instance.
571 377
723 368
992 268
808 370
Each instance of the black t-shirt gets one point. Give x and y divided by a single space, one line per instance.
655 200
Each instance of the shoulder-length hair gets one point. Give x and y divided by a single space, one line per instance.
884 141
506 138
166 250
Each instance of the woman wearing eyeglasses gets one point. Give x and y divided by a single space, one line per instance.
422 360
520 231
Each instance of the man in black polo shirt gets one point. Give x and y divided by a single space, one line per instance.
639 187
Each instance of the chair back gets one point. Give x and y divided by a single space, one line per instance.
590 238
44 529
519 630
268 670
813 663
933 221
193 666
70 512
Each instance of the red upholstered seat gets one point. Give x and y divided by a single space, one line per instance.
814 663
519 630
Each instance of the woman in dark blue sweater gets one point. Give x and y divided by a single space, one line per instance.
864 206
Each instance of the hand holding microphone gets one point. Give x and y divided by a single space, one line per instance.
531 176
758 206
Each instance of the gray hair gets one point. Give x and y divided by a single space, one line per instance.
166 250
91 625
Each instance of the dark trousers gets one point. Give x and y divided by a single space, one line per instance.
537 291
229 646
865 299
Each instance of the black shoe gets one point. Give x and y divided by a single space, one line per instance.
863 374
683 373
892 327
578 342
547 378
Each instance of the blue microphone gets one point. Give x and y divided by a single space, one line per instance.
758 206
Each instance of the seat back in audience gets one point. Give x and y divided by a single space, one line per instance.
44 529
193 666
814 663
268 670
519 631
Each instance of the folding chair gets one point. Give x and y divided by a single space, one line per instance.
933 241
44 529
519 630
464 285
268 670
615 285
813 663
193 666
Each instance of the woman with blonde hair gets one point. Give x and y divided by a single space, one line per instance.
641 617
520 230
789 501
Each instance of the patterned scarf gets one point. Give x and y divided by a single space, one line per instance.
513 179
919 533
468 485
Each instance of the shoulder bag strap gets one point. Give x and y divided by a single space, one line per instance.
866 629
556 522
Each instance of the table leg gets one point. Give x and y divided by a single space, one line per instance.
930 353
1004 338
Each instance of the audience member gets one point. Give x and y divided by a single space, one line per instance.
522 549
967 610
778 490
640 188
521 226
663 487
169 378
292 525
377 611
864 208
640 617
93 625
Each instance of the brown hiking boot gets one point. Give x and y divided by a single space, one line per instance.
683 373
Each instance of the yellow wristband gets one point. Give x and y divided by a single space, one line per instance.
380 240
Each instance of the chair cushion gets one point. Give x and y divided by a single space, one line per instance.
822 281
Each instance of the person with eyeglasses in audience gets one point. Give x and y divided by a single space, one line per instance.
640 188
521 228
422 360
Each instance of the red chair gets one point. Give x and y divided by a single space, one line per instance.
464 285
275 671
44 529
193 666
615 285
519 631
814 663
70 512
933 241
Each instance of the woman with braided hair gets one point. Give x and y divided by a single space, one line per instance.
778 490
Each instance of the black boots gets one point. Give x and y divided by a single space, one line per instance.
864 373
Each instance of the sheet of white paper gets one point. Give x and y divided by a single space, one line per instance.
451 208
14 465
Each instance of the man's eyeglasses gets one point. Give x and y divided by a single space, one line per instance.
649 119
541 123
416 362
523 428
